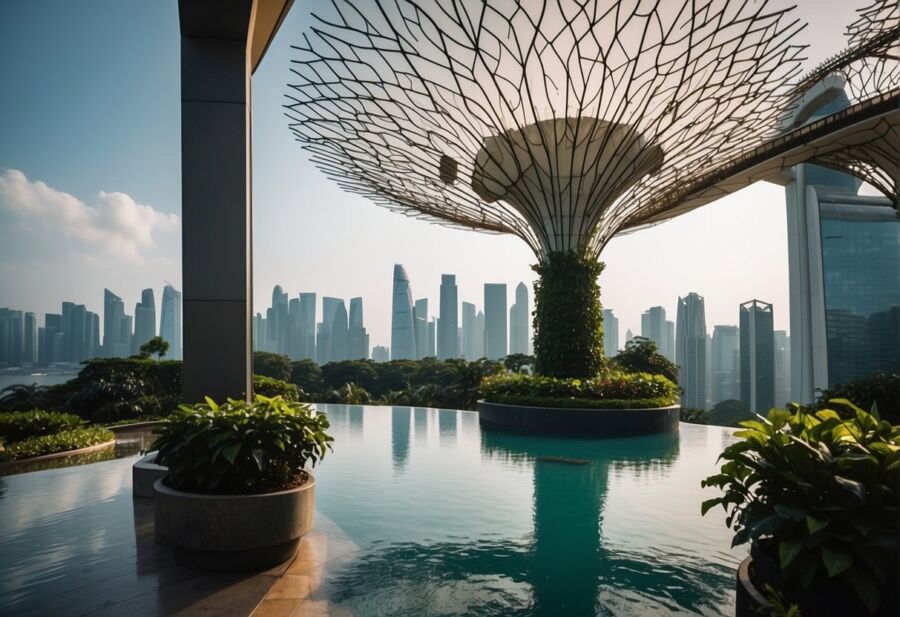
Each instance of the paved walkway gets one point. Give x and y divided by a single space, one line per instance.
75 543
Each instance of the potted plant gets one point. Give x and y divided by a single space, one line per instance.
237 495
816 497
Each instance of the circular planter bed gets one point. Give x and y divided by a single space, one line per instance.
65 453
578 421
233 532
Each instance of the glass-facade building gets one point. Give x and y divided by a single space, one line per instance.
844 259
861 268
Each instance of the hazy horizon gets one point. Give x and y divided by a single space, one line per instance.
90 189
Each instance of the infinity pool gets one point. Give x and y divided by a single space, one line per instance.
448 520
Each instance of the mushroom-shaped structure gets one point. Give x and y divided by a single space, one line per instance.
561 122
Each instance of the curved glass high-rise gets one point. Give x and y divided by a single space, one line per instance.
403 329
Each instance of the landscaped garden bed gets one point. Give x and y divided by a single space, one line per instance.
31 435
613 403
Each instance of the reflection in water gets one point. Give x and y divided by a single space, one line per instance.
496 525
355 416
400 436
447 426
128 443
565 566
421 425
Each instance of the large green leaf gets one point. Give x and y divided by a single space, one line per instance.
836 560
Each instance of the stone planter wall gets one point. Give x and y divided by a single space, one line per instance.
144 473
233 532
579 422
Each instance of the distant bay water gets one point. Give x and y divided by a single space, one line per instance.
42 379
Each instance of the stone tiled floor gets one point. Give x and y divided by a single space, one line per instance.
74 543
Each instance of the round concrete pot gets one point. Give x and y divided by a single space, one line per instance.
144 473
233 532
577 421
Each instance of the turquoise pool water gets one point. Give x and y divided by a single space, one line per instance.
449 520
455 520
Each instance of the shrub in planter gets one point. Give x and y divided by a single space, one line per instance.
71 439
610 390
270 387
817 495
240 448
19 425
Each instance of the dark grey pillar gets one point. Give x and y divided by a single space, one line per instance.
215 193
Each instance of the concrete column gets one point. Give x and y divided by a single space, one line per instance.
216 221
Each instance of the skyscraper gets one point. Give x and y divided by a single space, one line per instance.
757 356
340 334
144 320
116 327
380 354
449 320
628 335
610 333
420 313
295 327
431 350
308 326
518 321
277 326
653 327
844 266
690 350
494 320
359 339
325 330
29 339
170 320
403 326
725 364
479 335
782 368
670 341
12 336
468 331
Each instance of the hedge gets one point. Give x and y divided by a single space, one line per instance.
59 442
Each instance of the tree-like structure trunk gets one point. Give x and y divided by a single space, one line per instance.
568 320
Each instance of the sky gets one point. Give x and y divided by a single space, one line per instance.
90 187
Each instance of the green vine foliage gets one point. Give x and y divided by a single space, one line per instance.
568 320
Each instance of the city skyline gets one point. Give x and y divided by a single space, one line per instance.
134 171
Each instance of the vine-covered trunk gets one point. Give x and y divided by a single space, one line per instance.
568 320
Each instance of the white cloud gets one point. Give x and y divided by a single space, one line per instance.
113 225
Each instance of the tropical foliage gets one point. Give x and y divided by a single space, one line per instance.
823 490
19 397
156 345
16 426
641 356
239 447
270 387
276 366
882 390
730 412
568 320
